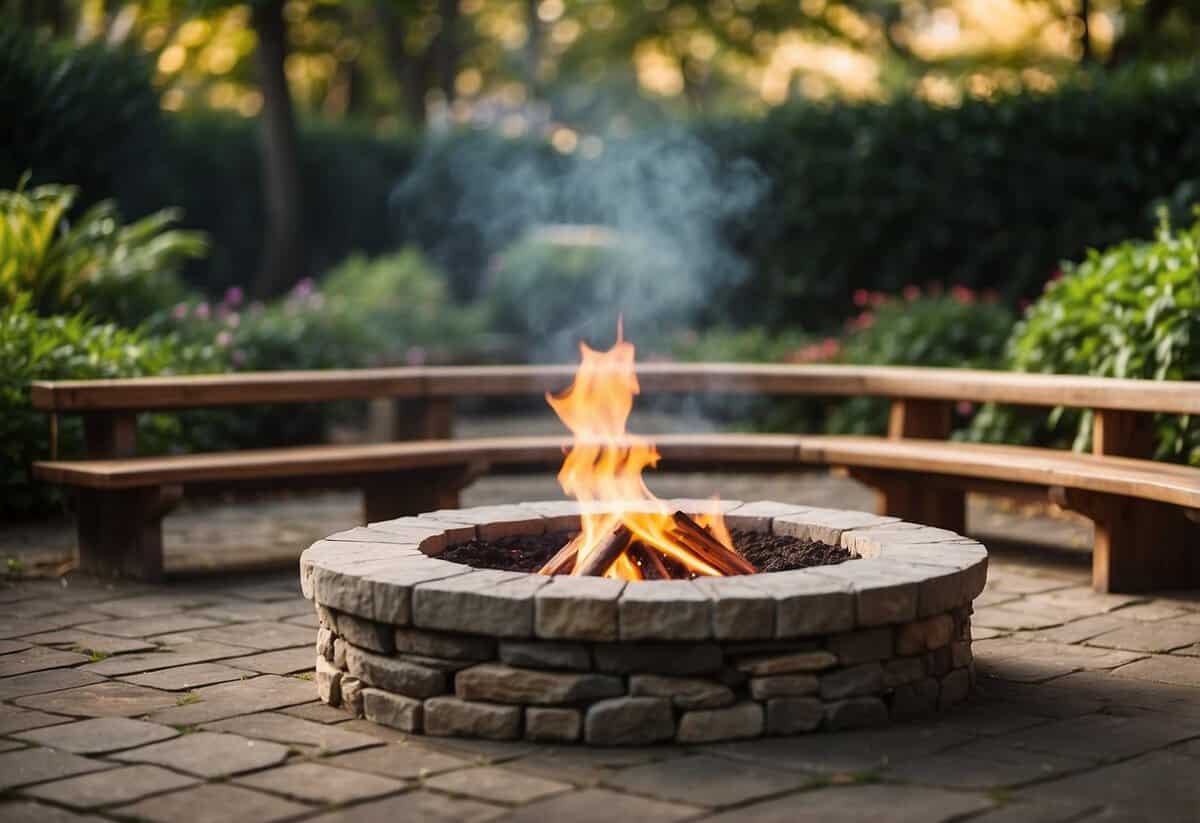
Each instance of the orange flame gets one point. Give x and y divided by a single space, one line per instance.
603 468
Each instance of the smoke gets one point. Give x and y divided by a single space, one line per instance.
563 245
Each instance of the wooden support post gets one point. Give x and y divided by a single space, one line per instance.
1139 545
427 418
914 497
396 495
925 419
1122 433
120 530
110 435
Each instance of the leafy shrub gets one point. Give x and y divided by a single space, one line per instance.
1132 311
116 272
71 348
959 329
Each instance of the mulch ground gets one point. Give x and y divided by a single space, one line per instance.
528 553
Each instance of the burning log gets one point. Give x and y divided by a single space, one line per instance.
607 552
563 560
701 542
650 561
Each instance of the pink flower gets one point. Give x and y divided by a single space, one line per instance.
1057 275
965 407
233 320
864 321
224 338
911 293
861 297
304 288
202 311
963 295
180 311
234 296
878 298
415 356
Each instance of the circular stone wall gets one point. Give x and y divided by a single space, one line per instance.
439 648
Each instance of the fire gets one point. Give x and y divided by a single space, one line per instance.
603 471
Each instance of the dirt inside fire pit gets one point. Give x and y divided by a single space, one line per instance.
528 553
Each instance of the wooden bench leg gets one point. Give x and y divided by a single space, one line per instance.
397 495
917 498
1139 545
120 531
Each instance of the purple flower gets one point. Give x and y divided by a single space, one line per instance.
415 356
234 296
304 288
238 357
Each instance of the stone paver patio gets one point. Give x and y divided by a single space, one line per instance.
194 701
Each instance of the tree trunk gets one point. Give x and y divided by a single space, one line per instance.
408 71
1085 32
447 47
283 254
533 48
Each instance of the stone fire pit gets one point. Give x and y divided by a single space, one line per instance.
433 647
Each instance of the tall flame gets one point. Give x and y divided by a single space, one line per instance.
603 469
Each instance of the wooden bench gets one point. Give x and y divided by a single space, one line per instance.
1145 512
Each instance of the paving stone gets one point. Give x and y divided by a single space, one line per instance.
706 781
88 643
38 659
863 679
154 605
318 712
163 657
658 658
15 626
208 754
1018 660
1103 737
109 699
634 721
258 694
122 785
264 636
792 715
444 644
1183 671
601 806
546 655
405 761
213 803
316 738
98 735
27 766
664 609
501 601
284 661
895 804
986 764
1146 637
553 725
496 683
1155 786
11 745
487 752
705 725
855 713
787 663
149 626
783 685
496 785
318 783
10 646
243 612
16 719
183 678
684 692
420 805
578 608
393 710
395 675
27 811
453 716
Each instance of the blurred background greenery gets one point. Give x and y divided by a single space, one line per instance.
212 185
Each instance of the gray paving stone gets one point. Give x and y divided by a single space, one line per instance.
496 785
37 659
16 719
706 781
319 712
895 804
404 761
284 661
985 764
184 678
154 605
258 694
420 805
122 785
314 738
163 657
1102 737
1182 671
496 683
264 636
98 735
149 626
10 646
213 803
83 642
28 811
601 806
1155 786
246 612
319 783
208 754
109 699
27 766
1148 637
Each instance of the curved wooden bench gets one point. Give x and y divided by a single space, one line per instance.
1141 508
